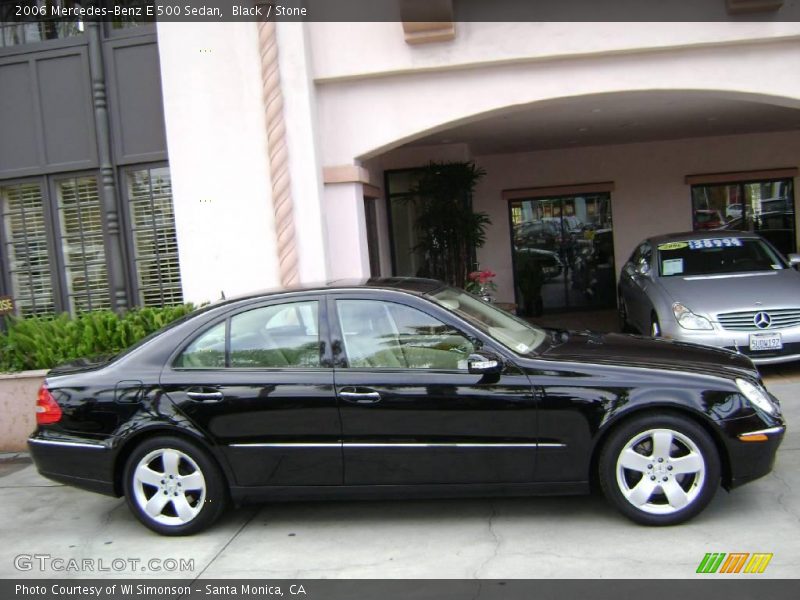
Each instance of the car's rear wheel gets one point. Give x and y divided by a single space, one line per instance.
659 469
173 486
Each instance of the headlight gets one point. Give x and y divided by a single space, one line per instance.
756 396
688 320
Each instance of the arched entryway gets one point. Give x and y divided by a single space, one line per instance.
593 175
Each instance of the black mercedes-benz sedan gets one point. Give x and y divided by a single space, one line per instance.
400 388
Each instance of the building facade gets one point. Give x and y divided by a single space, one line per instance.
287 149
86 217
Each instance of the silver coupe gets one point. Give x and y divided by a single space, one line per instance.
718 288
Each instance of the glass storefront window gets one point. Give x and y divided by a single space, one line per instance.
408 262
563 252
765 207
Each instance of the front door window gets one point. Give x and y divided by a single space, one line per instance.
388 335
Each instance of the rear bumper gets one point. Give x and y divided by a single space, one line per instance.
82 464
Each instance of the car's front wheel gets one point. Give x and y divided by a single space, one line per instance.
659 470
655 327
173 486
622 314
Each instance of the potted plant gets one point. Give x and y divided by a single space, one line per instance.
448 229
481 284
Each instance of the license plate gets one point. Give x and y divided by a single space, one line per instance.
765 341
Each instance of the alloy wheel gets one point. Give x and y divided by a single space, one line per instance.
660 471
169 486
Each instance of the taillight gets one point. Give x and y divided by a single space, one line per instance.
47 409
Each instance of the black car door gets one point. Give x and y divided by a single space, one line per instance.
260 384
411 412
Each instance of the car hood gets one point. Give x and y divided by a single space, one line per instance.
637 351
711 295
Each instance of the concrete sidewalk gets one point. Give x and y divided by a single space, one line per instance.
571 537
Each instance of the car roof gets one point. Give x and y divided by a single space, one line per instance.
702 235
414 285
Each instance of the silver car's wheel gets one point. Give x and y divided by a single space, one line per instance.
655 328
622 314
169 486
173 486
659 469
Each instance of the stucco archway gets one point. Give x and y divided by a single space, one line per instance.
363 118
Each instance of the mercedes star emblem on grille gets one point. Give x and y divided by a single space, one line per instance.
762 320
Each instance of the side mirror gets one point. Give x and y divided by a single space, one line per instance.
484 364
794 259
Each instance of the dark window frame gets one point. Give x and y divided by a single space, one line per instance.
126 228
58 239
740 184
561 197
52 251
389 219
57 263
108 32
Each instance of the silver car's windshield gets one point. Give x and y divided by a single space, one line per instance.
716 256
513 333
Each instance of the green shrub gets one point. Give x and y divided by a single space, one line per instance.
44 342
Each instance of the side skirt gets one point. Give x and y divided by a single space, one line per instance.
244 495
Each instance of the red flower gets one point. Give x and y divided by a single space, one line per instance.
482 277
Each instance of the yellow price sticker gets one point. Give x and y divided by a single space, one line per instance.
673 245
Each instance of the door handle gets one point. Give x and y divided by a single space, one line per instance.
361 397
205 396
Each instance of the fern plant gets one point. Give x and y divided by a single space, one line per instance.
44 342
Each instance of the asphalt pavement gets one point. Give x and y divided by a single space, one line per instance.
82 534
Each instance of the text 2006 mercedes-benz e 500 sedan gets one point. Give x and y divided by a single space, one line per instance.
400 388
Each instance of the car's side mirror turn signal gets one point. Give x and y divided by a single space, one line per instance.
483 364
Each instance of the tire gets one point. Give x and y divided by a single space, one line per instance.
622 313
659 469
655 327
173 486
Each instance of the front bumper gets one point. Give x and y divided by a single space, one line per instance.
750 460
739 341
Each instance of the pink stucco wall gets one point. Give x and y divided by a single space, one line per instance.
17 401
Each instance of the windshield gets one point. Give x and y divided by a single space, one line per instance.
714 256
513 333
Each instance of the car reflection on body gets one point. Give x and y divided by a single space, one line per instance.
722 288
399 388
707 219
545 260
777 227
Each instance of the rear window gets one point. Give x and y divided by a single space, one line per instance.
720 255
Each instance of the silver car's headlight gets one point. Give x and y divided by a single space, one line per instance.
757 396
688 320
